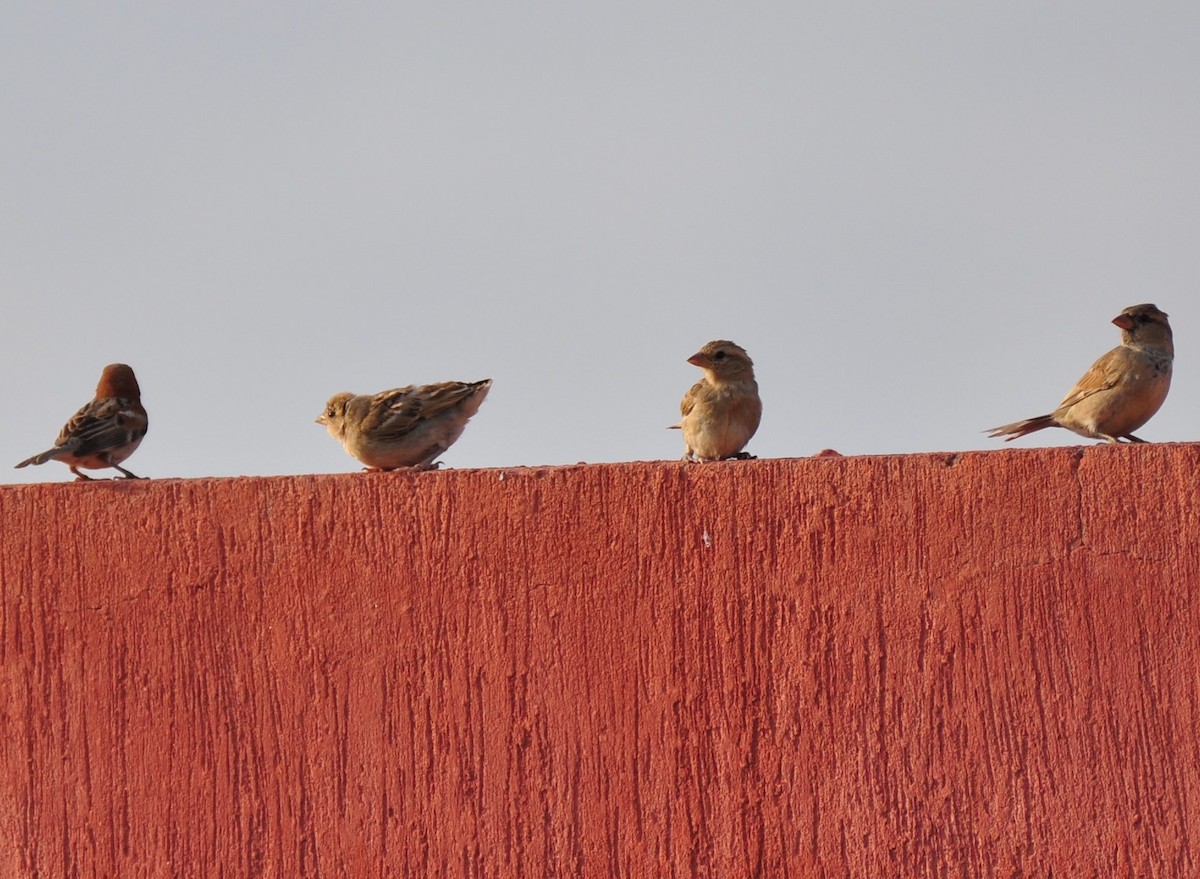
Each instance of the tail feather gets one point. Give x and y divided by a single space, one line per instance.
41 458
1019 428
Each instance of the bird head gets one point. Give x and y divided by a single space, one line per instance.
334 415
117 381
722 360
1144 325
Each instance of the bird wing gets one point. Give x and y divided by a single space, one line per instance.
399 411
1105 374
382 407
689 399
101 425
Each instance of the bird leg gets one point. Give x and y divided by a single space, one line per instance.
1132 438
79 477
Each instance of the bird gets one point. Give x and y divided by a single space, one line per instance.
403 427
1121 391
104 432
721 412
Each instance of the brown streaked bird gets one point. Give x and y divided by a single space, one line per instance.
104 432
1121 391
721 412
403 427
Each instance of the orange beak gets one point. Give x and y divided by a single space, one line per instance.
1124 321
700 359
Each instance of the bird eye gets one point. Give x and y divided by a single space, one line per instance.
720 355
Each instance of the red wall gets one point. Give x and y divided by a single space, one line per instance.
930 665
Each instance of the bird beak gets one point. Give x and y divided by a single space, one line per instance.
320 419
1124 321
700 359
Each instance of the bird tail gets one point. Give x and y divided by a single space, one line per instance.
39 459
1019 428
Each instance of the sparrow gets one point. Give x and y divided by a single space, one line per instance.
1121 391
722 410
104 432
403 427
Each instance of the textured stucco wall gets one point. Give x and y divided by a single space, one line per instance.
930 665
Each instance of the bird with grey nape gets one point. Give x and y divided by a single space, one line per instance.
403 427
1122 390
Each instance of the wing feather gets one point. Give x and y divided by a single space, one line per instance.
688 403
1105 374
401 410
100 426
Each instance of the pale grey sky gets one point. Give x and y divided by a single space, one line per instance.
917 217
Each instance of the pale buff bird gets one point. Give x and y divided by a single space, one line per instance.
403 427
1121 391
104 432
721 412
